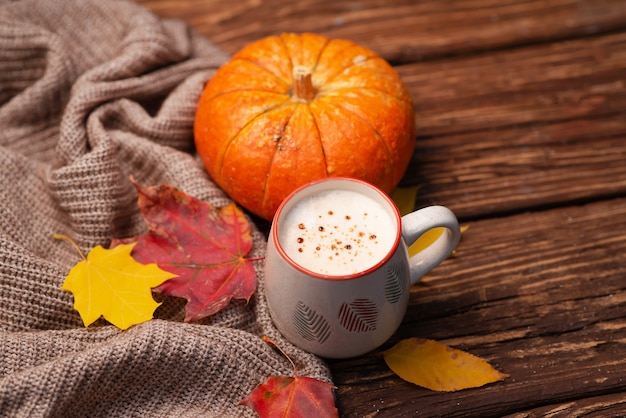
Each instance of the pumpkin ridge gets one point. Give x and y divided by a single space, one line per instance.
265 69
329 94
340 73
319 137
286 48
319 55
239 90
232 140
371 55
327 41
277 149
378 135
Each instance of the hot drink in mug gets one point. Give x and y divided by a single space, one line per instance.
337 270
337 232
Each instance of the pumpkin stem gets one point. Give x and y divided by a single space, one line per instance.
303 90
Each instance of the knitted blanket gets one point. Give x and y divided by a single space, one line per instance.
93 92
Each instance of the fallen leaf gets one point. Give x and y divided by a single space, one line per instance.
437 367
203 245
293 397
111 284
404 198
430 237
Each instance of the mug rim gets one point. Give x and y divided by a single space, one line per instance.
336 277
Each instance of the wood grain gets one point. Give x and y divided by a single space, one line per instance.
531 85
541 296
528 168
607 405
400 30
521 129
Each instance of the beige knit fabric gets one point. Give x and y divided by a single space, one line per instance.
91 93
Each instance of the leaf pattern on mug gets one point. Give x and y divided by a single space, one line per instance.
396 283
360 315
310 325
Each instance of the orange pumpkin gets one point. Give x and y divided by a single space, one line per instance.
289 109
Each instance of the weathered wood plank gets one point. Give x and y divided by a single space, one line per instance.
542 296
521 129
539 84
400 30
607 406
492 173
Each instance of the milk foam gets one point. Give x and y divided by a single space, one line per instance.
337 232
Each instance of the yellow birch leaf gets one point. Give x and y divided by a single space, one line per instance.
437 367
111 284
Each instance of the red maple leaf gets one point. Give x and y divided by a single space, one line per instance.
293 397
204 245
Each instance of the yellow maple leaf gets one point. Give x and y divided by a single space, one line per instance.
437 367
111 284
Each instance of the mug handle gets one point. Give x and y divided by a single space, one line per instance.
416 224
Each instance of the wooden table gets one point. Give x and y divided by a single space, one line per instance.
521 115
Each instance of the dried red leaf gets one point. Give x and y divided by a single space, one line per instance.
205 246
294 397
283 396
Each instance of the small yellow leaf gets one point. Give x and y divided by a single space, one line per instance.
425 240
428 238
437 367
110 283
404 198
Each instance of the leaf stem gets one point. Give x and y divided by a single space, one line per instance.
71 241
255 258
272 342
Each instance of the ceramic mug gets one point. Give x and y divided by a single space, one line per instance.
337 268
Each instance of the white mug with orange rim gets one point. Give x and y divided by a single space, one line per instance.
337 268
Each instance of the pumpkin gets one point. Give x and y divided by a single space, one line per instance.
290 109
